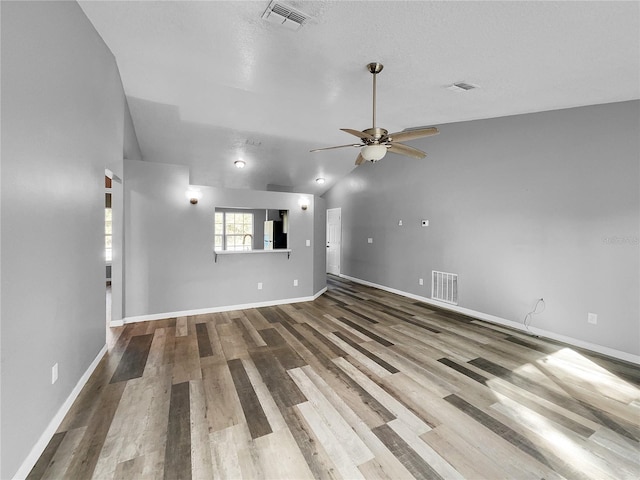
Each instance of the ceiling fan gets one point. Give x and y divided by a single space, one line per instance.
376 141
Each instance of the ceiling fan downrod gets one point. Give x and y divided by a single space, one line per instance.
375 68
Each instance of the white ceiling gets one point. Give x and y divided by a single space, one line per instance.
209 82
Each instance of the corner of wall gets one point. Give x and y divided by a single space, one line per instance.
131 146
319 241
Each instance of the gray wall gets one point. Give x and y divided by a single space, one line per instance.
117 246
169 262
131 148
523 207
319 244
62 125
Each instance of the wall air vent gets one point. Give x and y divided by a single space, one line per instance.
461 87
444 287
284 15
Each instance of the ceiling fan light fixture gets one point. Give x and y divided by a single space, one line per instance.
373 153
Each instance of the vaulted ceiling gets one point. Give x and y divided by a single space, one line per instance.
209 82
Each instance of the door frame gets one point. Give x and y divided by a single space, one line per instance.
117 245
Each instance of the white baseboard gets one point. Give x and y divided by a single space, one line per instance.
627 357
320 292
224 308
55 422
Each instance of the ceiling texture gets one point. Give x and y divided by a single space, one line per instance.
211 82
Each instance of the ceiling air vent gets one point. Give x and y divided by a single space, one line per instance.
462 87
284 15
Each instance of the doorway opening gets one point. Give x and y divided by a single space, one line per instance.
108 241
114 249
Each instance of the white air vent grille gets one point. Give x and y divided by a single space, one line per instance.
288 14
444 287
284 15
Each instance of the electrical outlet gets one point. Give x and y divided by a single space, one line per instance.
54 374
259 285
399 223
592 318
421 281
369 240
295 283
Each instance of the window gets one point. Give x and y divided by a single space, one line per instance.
233 231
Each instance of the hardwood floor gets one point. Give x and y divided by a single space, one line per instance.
360 383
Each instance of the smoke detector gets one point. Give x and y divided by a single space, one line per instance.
282 14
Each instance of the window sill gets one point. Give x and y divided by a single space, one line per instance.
246 252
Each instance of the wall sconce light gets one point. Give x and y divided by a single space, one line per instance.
239 163
304 203
193 195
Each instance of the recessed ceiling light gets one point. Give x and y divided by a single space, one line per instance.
320 180
239 163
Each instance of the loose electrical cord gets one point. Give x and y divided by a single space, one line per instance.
527 318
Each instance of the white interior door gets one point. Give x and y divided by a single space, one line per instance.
334 237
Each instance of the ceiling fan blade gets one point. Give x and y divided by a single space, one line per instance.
360 159
412 134
358 133
406 150
339 146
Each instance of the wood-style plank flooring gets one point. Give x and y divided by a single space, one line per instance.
360 383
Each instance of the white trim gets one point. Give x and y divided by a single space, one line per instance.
224 308
55 422
319 293
627 357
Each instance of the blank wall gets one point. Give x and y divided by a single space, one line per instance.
539 205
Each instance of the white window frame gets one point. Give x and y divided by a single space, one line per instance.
225 236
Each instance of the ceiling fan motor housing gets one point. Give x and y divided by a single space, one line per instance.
377 133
